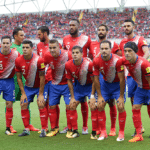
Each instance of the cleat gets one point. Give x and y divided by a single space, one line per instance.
102 136
74 134
93 137
112 132
64 130
138 137
8 132
69 133
85 130
24 133
32 128
43 133
120 136
98 132
12 130
142 131
45 130
53 132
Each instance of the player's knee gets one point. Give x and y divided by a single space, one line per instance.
52 107
67 107
111 103
9 104
24 106
73 106
136 107
41 105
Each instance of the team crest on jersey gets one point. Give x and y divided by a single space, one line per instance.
73 74
11 60
68 47
42 65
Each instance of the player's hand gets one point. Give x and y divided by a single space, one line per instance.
41 100
72 103
23 99
120 102
92 103
100 102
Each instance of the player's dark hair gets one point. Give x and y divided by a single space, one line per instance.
77 47
28 42
106 41
16 30
131 45
75 20
53 41
103 26
130 20
6 37
44 29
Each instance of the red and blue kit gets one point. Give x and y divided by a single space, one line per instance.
82 40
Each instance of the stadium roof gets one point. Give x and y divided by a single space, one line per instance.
24 6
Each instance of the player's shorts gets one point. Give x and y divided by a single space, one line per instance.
47 88
56 91
141 96
17 89
110 90
7 86
100 77
82 91
31 92
132 86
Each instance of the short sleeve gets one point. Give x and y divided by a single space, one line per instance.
67 71
95 67
41 65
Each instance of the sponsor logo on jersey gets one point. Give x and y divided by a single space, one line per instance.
42 65
122 67
148 69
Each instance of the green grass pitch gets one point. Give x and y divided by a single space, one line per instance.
60 142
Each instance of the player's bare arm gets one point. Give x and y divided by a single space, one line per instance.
122 88
23 98
146 52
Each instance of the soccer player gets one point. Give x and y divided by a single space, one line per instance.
7 71
139 69
73 39
56 58
80 69
102 32
143 51
32 67
113 86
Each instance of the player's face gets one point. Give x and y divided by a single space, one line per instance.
129 54
105 50
128 28
20 36
73 27
41 36
54 49
102 32
5 45
76 54
27 50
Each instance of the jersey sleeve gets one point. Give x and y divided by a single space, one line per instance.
146 68
119 65
142 42
95 67
115 48
40 64
67 71
37 49
17 67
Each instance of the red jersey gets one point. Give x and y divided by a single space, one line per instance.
83 41
58 66
82 72
7 64
139 70
139 40
42 48
108 68
95 48
30 69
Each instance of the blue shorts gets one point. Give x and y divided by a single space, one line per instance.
47 88
132 86
31 92
56 91
7 86
81 91
110 90
141 96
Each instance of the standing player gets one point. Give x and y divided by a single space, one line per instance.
113 86
73 39
142 51
32 67
7 71
80 69
56 59
139 69
102 32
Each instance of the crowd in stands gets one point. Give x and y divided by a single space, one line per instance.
58 22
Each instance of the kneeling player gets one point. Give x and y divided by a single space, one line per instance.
139 68
32 67
113 86
81 69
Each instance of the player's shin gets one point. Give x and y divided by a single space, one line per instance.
102 120
68 119
43 117
94 118
58 113
25 117
84 110
148 110
53 117
9 116
113 116
122 121
73 118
